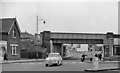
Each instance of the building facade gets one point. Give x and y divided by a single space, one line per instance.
10 38
109 48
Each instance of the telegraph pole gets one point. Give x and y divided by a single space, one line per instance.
38 34
37 40
37 24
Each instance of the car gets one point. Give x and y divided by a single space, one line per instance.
53 58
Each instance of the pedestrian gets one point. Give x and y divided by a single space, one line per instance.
100 57
83 57
5 57
37 55
96 55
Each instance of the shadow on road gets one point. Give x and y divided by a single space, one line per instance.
71 58
54 65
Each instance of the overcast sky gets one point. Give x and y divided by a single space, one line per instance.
76 16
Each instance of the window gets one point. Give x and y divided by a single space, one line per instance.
116 50
14 49
106 50
14 33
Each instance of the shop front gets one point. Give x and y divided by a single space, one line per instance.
106 50
116 50
3 49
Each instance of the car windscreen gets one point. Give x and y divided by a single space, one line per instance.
53 55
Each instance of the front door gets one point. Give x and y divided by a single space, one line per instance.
106 51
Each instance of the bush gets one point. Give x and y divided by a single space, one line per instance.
24 53
30 54
33 55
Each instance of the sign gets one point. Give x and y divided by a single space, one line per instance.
115 40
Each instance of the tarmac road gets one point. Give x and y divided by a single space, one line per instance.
68 65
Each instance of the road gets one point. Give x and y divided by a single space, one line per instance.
68 65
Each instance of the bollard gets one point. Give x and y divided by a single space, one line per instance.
95 63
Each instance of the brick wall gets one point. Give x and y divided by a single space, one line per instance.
12 40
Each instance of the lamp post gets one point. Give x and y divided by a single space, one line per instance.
38 35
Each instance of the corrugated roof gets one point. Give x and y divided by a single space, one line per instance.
6 24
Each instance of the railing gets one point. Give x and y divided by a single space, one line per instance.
44 53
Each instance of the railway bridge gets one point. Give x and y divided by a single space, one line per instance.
54 41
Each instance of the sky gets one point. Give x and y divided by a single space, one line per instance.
93 16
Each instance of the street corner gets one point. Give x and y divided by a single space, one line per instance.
102 69
95 70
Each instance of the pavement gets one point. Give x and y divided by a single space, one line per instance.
22 61
102 69
68 65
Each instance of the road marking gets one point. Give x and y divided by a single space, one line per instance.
72 62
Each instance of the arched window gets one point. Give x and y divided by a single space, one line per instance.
14 33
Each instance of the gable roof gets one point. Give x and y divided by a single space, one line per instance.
6 24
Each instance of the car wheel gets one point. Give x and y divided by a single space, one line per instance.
58 63
46 65
61 62
91 59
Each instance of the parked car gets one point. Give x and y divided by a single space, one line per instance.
53 58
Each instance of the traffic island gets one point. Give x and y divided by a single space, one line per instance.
102 69
95 70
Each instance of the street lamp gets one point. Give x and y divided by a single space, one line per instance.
39 20
37 33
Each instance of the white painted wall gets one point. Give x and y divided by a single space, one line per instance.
2 43
83 47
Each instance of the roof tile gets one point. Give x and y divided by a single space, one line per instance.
6 23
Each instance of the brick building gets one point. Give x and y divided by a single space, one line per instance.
10 37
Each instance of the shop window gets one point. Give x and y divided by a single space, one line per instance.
106 51
116 50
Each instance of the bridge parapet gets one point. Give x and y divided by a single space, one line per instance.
77 36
